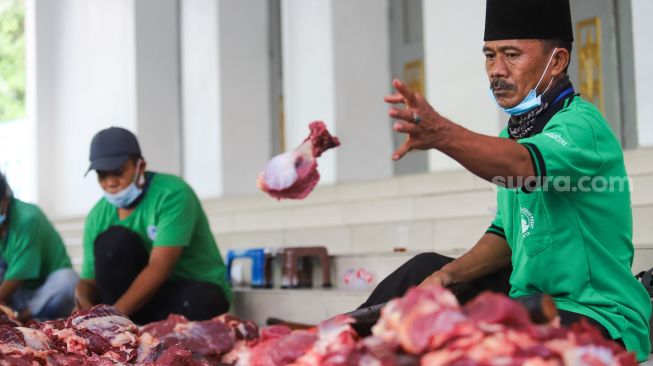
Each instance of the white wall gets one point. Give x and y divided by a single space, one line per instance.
200 102
456 83
336 66
643 50
17 148
244 92
157 83
94 65
226 95
362 78
80 88
308 89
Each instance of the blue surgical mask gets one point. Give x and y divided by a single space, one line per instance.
532 100
3 216
128 195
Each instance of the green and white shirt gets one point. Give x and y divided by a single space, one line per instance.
32 248
169 214
571 237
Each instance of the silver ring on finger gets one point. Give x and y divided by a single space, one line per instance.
416 118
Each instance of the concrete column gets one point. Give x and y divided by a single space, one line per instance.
642 10
226 94
456 83
157 75
93 65
336 69
81 79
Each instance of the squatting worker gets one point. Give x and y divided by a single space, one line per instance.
574 244
148 247
38 280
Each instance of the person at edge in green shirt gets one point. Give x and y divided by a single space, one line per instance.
148 247
563 226
37 279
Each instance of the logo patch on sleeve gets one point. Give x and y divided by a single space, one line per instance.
151 232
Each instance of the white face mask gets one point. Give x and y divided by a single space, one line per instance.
128 195
532 100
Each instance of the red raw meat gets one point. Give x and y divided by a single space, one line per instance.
426 327
210 338
494 308
274 331
100 330
278 351
178 356
164 327
23 346
11 336
243 329
424 318
336 342
294 174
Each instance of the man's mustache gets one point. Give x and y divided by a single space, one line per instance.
501 84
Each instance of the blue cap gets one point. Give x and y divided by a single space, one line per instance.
110 149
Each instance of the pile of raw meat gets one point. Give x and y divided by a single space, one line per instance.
102 336
294 174
427 327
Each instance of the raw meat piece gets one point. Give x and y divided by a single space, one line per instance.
243 329
11 355
23 346
294 174
164 327
336 342
374 351
10 335
423 318
278 351
25 337
210 338
149 349
274 331
494 308
242 347
426 327
179 356
100 330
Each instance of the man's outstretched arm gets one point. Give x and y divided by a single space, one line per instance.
486 156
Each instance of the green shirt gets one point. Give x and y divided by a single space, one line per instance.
32 248
572 236
169 214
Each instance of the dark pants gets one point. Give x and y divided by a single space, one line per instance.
120 256
413 272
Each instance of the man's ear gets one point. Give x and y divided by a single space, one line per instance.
4 204
560 61
141 170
